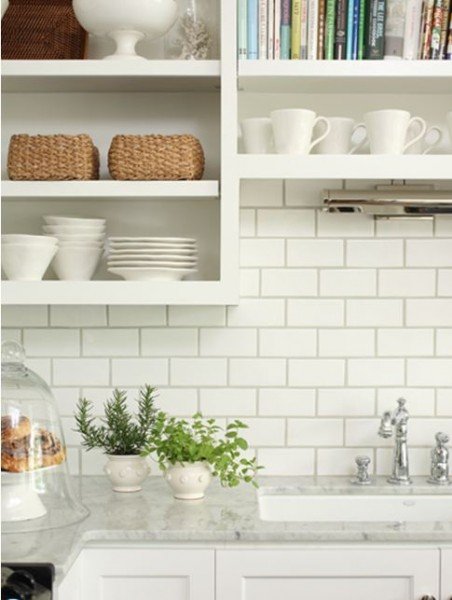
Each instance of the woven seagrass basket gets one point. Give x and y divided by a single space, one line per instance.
52 158
156 157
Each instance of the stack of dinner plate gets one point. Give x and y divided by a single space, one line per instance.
152 258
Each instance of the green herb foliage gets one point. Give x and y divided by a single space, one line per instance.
177 441
121 433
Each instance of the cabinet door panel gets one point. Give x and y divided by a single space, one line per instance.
446 574
142 574
345 574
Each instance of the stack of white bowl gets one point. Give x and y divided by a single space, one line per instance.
80 246
26 257
152 258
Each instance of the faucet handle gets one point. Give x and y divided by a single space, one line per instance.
442 439
385 430
362 475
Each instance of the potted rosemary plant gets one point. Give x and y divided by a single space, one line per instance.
191 452
121 435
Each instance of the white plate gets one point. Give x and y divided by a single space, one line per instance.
150 273
163 240
153 264
141 246
157 251
52 220
153 257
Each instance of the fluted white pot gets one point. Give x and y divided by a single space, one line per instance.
127 473
189 481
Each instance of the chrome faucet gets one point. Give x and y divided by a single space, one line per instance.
440 461
397 423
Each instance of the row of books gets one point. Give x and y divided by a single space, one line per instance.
345 29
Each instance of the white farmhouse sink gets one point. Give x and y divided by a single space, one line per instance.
348 508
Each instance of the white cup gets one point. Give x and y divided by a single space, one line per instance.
257 134
449 125
339 139
425 145
387 130
293 129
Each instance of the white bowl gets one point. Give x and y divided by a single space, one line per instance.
80 238
97 245
126 22
26 262
13 238
73 229
150 273
77 221
75 263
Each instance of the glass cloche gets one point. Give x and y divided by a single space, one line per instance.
36 486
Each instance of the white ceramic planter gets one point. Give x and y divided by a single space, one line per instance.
189 481
127 473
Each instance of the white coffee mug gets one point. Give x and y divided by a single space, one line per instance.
387 130
449 125
293 129
431 140
339 139
257 135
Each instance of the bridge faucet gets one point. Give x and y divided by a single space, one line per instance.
397 422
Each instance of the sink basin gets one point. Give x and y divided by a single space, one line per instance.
342 507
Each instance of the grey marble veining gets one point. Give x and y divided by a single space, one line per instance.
225 516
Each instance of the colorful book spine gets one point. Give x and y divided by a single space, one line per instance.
321 30
355 29
242 29
286 13
375 30
277 31
437 20
270 29
263 26
361 28
427 33
413 16
252 29
304 30
313 28
340 41
330 17
349 39
444 29
296 30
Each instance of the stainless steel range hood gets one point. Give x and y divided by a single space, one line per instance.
390 201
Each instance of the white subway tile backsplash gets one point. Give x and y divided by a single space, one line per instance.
342 225
178 401
423 431
52 342
78 316
256 252
443 226
347 402
257 371
346 342
81 371
110 342
374 313
374 253
400 228
364 432
228 342
405 342
444 342
41 366
420 401
430 313
341 461
288 342
315 253
315 313
169 341
429 371
428 253
228 402
256 313
348 282
11 335
249 282
139 371
257 193
198 371
405 283
66 398
376 371
445 282
289 282
316 372
419 461
247 222
281 402
18 316
192 316
285 223
136 316
265 432
287 461
315 432
444 402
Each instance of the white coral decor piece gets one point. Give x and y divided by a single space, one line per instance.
195 39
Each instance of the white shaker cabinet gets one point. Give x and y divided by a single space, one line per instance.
322 574
446 574
144 573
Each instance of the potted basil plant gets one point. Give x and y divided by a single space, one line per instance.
121 435
191 452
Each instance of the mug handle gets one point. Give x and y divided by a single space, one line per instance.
324 134
418 137
436 142
363 142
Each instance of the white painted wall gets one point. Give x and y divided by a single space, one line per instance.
339 316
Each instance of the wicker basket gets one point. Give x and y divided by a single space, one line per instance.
156 157
52 158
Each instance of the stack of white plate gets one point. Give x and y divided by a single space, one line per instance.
81 242
152 258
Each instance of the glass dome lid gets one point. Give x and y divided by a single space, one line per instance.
36 486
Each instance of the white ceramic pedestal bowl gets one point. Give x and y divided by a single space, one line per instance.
126 21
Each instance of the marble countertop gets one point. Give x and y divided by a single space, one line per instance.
225 516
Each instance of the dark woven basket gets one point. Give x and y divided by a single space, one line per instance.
156 157
52 158
42 30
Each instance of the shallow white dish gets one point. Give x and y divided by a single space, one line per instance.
75 263
144 246
27 262
81 222
153 263
74 229
158 240
19 238
157 251
150 273
151 258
